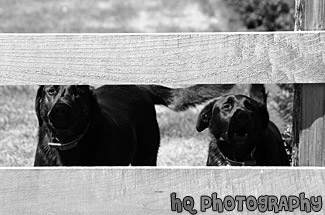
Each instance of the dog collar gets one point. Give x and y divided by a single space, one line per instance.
230 162
64 146
236 163
56 143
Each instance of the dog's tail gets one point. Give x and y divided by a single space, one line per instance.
180 99
258 93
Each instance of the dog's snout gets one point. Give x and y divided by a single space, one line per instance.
60 111
241 115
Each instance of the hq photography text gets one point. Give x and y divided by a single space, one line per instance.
262 203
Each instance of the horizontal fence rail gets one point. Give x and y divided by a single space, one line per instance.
162 58
146 191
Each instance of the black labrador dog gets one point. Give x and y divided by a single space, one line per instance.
113 125
241 132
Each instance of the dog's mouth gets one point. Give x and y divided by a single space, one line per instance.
240 129
68 132
241 136
67 123
238 147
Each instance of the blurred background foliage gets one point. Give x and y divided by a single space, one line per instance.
181 145
265 15
115 16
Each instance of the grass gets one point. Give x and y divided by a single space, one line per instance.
181 144
18 126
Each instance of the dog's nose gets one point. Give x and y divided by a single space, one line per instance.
60 111
241 115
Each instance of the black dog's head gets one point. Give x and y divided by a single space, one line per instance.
65 109
236 120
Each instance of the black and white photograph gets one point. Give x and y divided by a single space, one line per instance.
162 107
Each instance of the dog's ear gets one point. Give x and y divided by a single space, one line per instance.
264 115
258 93
38 100
204 117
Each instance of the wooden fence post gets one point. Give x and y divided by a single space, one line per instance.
309 100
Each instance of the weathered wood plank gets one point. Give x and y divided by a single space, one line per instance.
310 15
309 102
162 58
144 191
310 124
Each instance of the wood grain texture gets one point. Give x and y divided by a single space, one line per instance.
309 101
143 191
310 15
312 130
162 58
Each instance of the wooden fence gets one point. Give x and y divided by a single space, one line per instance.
192 58
295 57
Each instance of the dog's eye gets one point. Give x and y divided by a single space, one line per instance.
51 91
78 93
248 105
226 106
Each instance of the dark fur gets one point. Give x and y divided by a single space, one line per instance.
241 133
117 124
